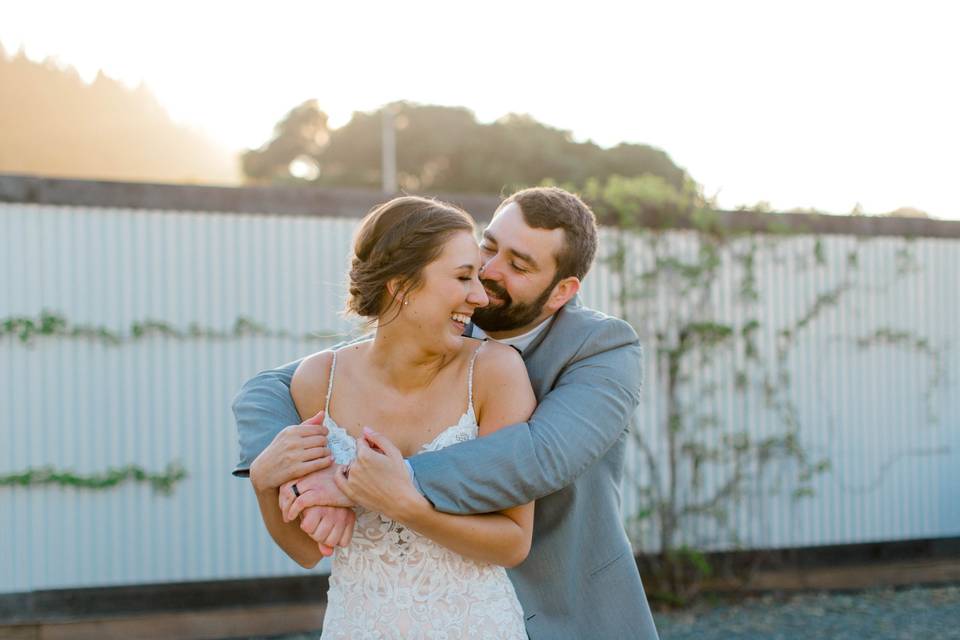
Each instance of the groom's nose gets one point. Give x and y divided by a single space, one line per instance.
489 271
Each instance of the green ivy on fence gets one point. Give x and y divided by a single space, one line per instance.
50 324
162 483
700 467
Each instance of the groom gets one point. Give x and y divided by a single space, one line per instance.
580 579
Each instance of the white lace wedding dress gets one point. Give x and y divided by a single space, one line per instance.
391 582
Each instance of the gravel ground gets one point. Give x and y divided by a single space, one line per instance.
918 613
927 614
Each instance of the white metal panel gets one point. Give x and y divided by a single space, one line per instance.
895 461
84 405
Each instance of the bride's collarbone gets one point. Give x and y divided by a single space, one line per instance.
408 415
410 420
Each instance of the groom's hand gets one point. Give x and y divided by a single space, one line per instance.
296 451
317 489
329 526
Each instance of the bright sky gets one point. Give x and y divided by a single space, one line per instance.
822 104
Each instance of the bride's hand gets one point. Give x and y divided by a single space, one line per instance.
378 478
313 490
328 526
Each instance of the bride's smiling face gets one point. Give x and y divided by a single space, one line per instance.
450 291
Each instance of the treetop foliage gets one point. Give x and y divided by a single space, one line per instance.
443 149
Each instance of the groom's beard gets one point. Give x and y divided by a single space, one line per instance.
508 315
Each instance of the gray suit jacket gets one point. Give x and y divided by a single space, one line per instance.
580 579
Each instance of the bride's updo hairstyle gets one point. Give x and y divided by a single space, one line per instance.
396 241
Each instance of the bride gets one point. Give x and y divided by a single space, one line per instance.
415 572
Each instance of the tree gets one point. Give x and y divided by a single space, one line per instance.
907 212
301 135
60 125
446 149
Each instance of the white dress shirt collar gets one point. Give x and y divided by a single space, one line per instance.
520 342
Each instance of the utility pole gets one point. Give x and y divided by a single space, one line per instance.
388 157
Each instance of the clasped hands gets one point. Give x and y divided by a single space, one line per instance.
299 455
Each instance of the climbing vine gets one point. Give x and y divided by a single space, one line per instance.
667 281
50 324
162 483
888 336
54 325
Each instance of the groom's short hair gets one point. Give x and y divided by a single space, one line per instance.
554 208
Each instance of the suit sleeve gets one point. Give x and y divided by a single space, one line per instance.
582 416
262 408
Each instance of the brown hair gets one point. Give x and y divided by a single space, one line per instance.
553 208
397 240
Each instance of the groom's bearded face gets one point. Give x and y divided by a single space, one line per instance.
508 314
519 271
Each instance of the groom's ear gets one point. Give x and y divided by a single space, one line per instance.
562 293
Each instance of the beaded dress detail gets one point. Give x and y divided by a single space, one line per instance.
391 582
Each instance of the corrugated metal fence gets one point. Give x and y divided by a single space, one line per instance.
230 294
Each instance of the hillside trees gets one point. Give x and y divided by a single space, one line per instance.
446 149
54 123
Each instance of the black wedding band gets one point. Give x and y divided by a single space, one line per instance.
296 492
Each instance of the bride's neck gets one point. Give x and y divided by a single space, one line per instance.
401 361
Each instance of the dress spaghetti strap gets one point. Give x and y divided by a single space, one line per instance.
333 367
473 360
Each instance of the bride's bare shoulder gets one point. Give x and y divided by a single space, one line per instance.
314 367
501 388
308 388
499 364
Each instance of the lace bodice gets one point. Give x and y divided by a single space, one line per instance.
343 446
391 582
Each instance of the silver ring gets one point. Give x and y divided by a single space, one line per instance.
296 492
